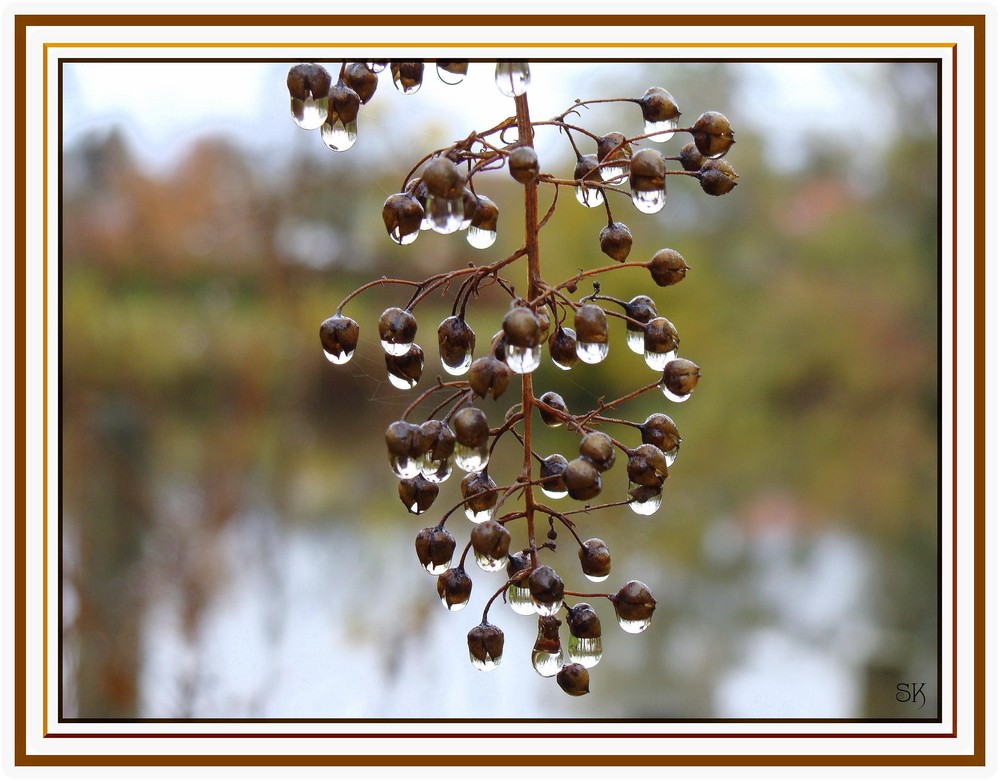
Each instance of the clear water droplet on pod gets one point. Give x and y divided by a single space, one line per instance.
401 238
592 352
339 359
403 383
436 471
406 90
547 663
614 174
589 196
585 650
438 569
445 214
671 455
646 506
658 361
454 607
489 564
664 130
513 78
450 77
472 459
519 599
376 67
597 578
478 516
338 136
404 467
461 368
310 114
553 494
649 201
487 664
636 341
673 396
480 238
546 608
634 627
394 348
523 360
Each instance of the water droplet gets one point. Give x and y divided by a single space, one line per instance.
634 627
649 201
478 516
459 368
597 578
415 508
585 650
310 114
401 238
589 196
487 664
519 599
445 214
636 341
671 455
450 77
664 130
592 352
393 348
472 459
405 467
376 67
403 383
338 136
546 608
489 564
553 494
339 359
436 471
546 663
523 360
409 87
658 361
614 174
454 607
673 396
647 505
513 78
480 238
437 569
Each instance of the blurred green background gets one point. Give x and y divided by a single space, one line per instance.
233 542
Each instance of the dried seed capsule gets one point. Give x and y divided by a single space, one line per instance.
642 309
667 267
546 589
552 470
562 348
471 427
407 76
583 621
546 654
488 376
485 646
359 78
660 342
435 548
574 679
713 135
597 447
339 337
679 379
647 466
613 152
440 437
454 587
552 417
647 178
595 559
691 159
522 162
405 370
616 241
456 341
490 543
660 112
634 605
660 430
340 129
402 215
417 494
591 326
717 177
482 231
583 480
480 492
406 446
444 179
521 327
397 329
587 173
309 89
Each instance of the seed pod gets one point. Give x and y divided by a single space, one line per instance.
647 171
359 78
598 448
591 324
435 547
667 267
647 466
660 336
562 348
404 440
595 559
522 162
440 437
680 376
407 367
480 492
658 105
485 215
613 154
454 586
397 327
641 309
583 621
713 135
634 602
490 540
485 646
574 679
660 430
546 589
717 177
583 480
553 467
344 104
489 376
547 640
308 81
407 76
616 241
558 405
471 427
586 169
521 327
444 179
519 562
402 215
417 494
339 337
456 341
691 159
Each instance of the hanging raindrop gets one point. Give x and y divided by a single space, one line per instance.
404 467
445 214
658 361
585 650
338 136
592 352
513 78
636 342
589 196
644 500
660 131
523 360
674 396
519 599
470 458
310 114
452 72
547 663
649 201
480 238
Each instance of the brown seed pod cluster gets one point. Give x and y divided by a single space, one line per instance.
442 193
